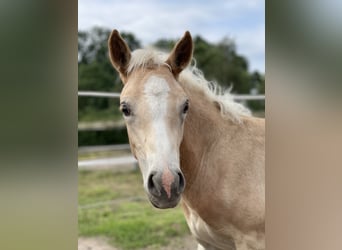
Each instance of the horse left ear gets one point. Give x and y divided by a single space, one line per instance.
181 54
119 54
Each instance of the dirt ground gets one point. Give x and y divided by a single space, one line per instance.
100 243
93 243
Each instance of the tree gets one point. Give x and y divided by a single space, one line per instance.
219 62
95 71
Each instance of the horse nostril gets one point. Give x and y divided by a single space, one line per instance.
181 183
153 186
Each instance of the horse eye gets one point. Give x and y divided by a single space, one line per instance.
186 107
125 110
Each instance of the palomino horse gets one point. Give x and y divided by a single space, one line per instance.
195 143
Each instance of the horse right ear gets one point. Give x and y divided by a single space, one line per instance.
181 54
119 54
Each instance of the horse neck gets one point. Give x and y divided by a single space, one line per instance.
201 131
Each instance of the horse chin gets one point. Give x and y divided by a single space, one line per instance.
164 204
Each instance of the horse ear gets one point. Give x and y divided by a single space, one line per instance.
119 53
181 54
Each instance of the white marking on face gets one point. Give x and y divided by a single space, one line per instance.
156 90
156 86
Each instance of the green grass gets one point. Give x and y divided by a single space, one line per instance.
128 223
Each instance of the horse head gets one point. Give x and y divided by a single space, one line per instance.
154 107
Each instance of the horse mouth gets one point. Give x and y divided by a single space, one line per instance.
157 202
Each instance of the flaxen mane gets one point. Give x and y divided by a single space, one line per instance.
192 77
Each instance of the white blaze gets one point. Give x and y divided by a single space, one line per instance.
156 91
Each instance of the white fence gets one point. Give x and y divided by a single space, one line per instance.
117 95
98 94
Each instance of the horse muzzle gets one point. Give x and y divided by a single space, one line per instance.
165 188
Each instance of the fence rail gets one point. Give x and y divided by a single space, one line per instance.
117 95
115 163
98 94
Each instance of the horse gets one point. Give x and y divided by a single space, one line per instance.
193 143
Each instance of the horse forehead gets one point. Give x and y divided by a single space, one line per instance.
156 86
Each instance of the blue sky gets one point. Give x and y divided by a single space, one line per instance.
149 20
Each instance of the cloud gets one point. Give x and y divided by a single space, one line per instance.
152 19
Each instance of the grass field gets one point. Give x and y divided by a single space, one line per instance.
129 221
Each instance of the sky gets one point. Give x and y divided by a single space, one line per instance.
149 20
